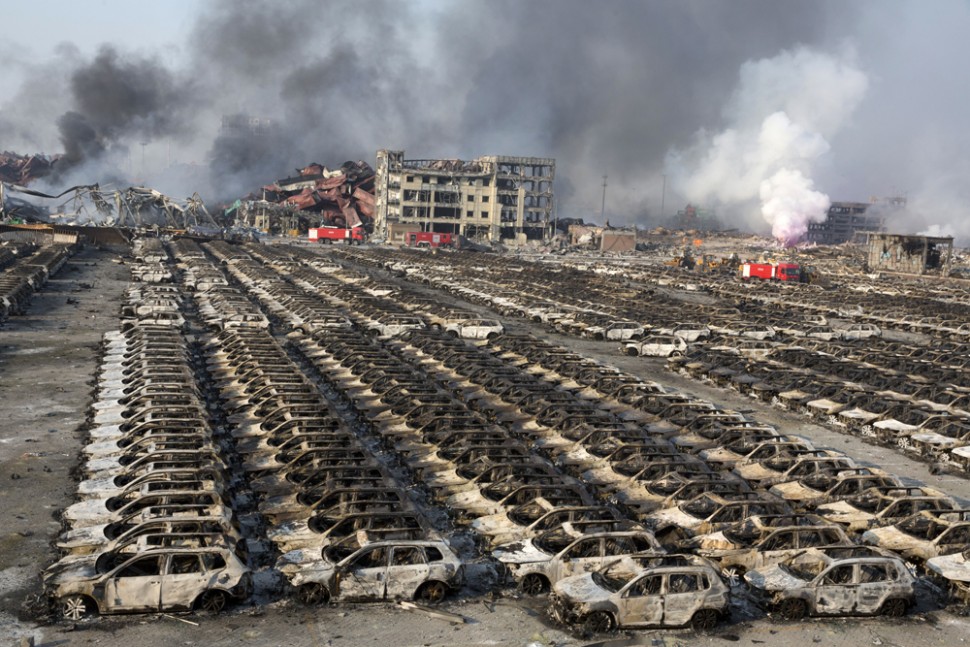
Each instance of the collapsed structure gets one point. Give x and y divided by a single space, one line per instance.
316 196
491 198
23 169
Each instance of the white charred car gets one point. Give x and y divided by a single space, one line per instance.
475 329
538 563
669 591
424 570
839 582
657 346
615 331
165 579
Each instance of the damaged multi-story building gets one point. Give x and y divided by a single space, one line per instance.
846 219
493 198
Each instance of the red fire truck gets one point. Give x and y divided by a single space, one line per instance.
353 236
772 271
430 239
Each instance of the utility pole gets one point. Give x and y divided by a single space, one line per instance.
143 174
603 204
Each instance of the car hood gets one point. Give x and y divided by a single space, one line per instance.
773 578
520 552
581 588
952 567
713 541
71 569
674 516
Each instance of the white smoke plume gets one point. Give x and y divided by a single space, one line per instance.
789 202
779 120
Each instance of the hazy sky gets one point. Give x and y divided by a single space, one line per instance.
151 26
840 99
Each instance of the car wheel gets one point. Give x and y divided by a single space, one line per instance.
76 607
213 601
431 592
312 594
705 620
598 622
894 608
793 609
632 351
534 584
453 334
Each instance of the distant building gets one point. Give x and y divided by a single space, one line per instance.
604 239
242 125
910 254
845 219
493 198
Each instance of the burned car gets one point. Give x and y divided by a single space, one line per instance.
667 591
538 563
164 579
424 570
924 535
840 581
954 572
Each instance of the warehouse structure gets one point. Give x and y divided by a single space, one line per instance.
492 198
910 254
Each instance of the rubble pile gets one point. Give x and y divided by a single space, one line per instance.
24 169
343 197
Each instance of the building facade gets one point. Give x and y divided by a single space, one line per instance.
910 254
492 198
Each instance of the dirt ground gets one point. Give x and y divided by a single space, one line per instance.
47 364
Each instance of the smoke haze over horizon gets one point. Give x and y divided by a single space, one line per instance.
763 110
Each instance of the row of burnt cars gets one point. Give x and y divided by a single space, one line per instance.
914 399
806 344
155 525
26 270
815 469
574 476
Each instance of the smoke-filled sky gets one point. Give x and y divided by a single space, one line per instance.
761 109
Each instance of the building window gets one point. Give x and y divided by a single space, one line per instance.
409 178
484 198
487 182
484 214
471 198
469 214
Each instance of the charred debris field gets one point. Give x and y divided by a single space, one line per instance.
208 442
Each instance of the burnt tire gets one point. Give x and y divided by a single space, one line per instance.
313 593
535 584
894 608
598 622
632 351
705 620
212 601
431 592
76 607
453 334
793 609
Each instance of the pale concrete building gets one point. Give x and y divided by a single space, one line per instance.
493 198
